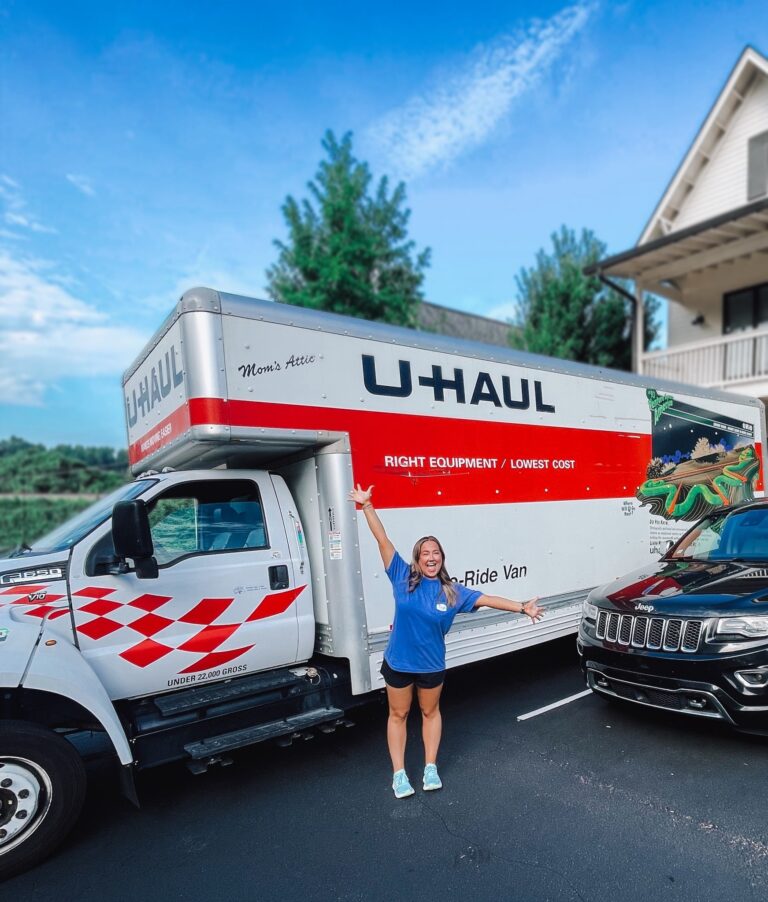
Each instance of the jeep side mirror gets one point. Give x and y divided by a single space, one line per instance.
133 538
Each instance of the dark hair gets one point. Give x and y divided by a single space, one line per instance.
416 575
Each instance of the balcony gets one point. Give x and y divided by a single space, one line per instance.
696 267
738 362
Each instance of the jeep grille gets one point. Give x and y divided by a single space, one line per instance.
653 633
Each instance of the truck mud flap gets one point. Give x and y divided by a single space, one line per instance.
215 745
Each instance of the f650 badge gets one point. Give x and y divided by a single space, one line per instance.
34 575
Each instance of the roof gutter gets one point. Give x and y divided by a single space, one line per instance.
714 222
614 286
594 270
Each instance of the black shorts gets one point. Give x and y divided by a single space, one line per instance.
399 679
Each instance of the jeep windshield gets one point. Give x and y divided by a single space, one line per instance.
739 535
73 530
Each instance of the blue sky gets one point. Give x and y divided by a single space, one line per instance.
147 147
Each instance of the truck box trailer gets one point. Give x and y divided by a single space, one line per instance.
231 594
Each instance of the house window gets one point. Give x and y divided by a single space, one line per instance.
745 309
757 166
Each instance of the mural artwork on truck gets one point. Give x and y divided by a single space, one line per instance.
701 461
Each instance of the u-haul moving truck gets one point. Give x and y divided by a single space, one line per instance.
232 594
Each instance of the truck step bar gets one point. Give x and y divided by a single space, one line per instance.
205 696
215 745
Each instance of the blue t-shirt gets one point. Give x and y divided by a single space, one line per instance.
422 618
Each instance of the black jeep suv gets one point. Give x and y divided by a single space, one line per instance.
690 633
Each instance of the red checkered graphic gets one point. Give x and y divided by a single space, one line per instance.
150 624
149 603
100 607
99 628
41 608
216 659
94 592
145 653
207 611
110 615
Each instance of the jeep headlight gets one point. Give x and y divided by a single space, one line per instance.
589 611
748 627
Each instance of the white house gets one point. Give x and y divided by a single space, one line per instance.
705 248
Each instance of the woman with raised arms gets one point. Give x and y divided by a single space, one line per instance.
426 603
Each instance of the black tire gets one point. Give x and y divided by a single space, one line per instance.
42 778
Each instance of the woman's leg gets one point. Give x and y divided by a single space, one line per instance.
399 706
431 721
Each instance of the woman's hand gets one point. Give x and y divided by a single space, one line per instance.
532 609
360 495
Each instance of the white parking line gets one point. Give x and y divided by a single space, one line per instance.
563 701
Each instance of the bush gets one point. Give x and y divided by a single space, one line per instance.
26 519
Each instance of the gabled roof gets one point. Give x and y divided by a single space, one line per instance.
662 221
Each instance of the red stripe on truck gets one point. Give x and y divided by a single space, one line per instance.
419 460
166 431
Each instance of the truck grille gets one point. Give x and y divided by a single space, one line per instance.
653 633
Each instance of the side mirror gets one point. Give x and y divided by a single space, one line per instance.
133 538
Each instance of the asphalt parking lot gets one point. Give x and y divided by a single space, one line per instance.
584 801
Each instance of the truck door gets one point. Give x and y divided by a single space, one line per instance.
224 602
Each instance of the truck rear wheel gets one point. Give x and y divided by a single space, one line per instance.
42 787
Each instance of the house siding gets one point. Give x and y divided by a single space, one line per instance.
704 294
722 184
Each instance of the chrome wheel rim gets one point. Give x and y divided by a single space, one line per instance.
26 792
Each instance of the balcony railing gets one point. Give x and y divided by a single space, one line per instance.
718 362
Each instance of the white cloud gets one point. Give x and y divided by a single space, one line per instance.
82 183
49 334
16 213
433 129
208 270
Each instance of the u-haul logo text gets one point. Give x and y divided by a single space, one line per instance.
483 388
165 374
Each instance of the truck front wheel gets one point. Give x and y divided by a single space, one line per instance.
42 787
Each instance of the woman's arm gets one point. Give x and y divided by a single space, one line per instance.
363 498
530 607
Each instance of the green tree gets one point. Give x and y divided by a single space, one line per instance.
16 445
29 472
347 249
564 313
25 519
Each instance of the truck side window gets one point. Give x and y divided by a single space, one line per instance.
207 517
173 522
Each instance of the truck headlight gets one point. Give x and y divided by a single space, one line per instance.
589 611
748 627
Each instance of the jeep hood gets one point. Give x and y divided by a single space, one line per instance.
689 588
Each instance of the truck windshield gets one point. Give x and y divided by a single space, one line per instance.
739 535
74 529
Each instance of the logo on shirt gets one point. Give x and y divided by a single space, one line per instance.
441 606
